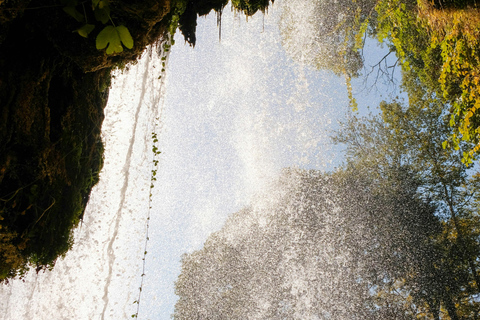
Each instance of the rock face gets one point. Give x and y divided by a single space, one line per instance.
53 88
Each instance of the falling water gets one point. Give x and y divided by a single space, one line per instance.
91 281
232 114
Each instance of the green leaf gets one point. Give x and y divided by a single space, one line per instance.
112 38
102 14
95 3
103 3
125 36
73 12
103 38
85 30
109 37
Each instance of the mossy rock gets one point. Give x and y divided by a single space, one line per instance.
53 89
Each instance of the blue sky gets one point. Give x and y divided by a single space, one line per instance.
236 112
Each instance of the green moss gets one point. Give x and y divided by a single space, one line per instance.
250 7
50 147
193 9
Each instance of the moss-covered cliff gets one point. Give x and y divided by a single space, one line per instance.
53 89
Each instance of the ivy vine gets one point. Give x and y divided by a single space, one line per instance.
163 52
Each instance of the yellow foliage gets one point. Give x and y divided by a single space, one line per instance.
461 22
457 33
10 257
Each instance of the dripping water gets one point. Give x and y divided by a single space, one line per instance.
153 103
104 263
219 24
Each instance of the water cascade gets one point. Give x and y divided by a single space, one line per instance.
228 117
90 282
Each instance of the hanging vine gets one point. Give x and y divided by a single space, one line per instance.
156 152
163 52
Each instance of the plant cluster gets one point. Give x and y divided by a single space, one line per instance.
111 37
436 41
156 152
439 43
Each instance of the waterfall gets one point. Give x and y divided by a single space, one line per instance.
232 114
99 277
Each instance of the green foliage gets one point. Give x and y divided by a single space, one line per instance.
111 37
11 260
156 152
102 14
440 43
250 7
337 30
341 241
178 8
45 215
411 137
44 189
336 34
73 12
85 30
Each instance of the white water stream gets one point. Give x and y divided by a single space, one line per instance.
232 114
98 277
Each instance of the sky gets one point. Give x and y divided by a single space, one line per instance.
237 111
231 114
